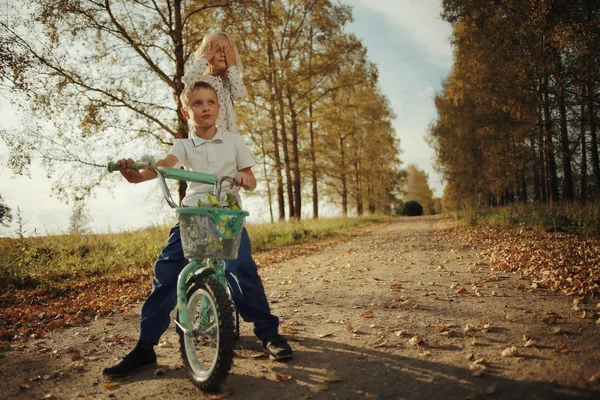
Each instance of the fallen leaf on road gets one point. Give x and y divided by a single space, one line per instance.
321 387
416 340
368 314
563 348
282 378
110 384
493 389
510 352
380 343
332 375
219 396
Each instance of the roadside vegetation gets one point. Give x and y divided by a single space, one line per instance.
567 217
28 263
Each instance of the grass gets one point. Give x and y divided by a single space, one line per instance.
575 218
38 261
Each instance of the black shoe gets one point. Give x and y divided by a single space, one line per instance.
278 348
137 359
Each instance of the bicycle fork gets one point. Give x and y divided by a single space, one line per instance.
195 268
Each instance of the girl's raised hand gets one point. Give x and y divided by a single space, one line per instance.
209 51
230 60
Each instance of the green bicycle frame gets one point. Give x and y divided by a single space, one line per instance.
196 268
208 267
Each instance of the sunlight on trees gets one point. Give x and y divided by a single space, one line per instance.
517 116
102 80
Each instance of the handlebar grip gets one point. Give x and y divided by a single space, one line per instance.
112 166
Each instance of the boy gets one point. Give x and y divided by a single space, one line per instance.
221 153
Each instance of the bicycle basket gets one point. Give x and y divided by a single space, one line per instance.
210 232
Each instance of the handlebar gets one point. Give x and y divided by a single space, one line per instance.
112 166
164 173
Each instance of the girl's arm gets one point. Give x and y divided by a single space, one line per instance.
196 71
238 89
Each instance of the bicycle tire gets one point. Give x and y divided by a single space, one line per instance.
207 371
236 314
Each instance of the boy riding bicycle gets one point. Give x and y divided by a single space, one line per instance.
207 150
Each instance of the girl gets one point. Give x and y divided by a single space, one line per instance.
218 64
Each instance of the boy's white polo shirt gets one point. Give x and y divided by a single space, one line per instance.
224 155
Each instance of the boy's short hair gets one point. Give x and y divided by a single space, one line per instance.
187 91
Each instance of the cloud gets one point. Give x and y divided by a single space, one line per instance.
418 19
428 92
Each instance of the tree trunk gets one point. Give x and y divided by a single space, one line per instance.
296 160
312 149
263 150
344 179
182 124
536 172
271 80
549 146
583 182
313 160
286 151
359 201
567 181
593 140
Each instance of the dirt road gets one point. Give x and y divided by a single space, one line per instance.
401 311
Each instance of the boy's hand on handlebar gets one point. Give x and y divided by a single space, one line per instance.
131 175
244 180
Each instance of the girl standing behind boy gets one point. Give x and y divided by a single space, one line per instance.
219 65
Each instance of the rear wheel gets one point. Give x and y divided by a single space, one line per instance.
207 350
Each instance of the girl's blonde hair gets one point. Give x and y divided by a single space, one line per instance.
209 37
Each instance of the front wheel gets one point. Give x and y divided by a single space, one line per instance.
207 350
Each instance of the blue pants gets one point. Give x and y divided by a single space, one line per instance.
242 277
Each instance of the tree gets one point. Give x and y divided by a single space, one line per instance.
517 115
102 75
5 214
416 188
79 220
105 79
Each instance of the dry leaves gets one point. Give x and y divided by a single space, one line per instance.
282 378
331 375
510 352
556 261
416 340
368 314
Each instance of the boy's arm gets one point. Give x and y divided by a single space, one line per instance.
245 178
135 176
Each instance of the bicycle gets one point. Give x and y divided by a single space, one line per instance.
205 318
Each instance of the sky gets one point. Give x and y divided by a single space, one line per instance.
407 41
